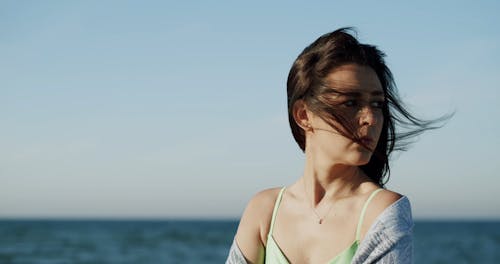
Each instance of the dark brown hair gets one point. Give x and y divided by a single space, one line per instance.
306 81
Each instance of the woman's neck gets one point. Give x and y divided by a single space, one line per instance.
329 180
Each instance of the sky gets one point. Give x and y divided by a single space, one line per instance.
163 109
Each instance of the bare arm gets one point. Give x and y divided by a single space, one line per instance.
251 236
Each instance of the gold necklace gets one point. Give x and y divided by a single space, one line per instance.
320 218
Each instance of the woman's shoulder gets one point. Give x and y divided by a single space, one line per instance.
265 197
251 236
394 210
383 202
389 239
259 210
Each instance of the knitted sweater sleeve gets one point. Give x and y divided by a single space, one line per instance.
389 239
235 256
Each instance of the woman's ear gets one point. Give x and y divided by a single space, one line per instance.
302 115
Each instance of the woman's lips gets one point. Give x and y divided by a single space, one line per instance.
367 141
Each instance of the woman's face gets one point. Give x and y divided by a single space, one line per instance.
357 96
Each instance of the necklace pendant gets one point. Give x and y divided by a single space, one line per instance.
320 221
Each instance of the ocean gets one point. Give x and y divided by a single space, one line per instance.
199 241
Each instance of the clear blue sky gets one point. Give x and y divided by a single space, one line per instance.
168 109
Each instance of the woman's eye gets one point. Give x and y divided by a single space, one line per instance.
350 103
378 104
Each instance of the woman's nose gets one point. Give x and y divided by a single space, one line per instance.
367 116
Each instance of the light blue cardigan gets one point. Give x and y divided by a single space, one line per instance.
389 239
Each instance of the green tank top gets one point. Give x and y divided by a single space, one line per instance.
274 255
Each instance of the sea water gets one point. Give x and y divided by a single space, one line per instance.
199 241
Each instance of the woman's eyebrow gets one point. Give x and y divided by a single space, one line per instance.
354 93
377 93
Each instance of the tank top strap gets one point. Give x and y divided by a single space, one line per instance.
275 210
362 215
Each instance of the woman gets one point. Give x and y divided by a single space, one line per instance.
343 111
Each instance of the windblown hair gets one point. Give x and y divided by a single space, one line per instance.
307 81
